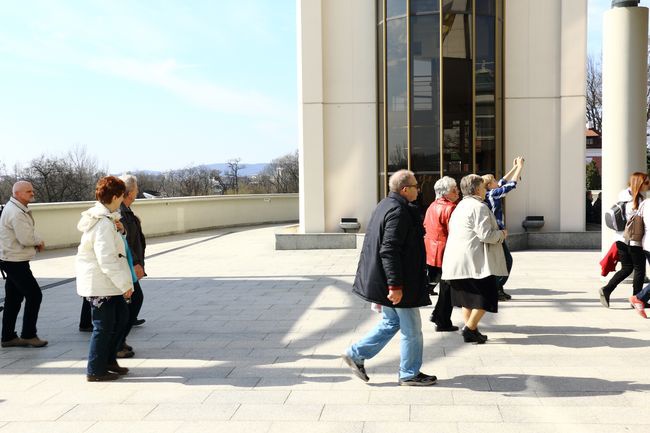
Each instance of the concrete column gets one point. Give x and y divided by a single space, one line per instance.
310 109
625 63
572 114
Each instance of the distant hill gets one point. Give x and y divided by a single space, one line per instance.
248 170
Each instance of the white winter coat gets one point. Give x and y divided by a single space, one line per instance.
474 246
101 263
18 240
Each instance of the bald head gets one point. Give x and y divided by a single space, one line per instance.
23 192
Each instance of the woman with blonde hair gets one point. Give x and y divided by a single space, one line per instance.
630 253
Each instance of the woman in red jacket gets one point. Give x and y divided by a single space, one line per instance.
435 240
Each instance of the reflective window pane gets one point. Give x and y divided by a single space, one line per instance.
486 7
380 99
396 94
395 8
485 95
425 91
424 6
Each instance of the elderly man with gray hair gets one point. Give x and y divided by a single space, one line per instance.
391 274
474 257
19 243
436 225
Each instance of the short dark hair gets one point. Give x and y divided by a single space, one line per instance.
109 187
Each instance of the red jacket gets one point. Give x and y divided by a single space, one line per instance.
436 226
608 263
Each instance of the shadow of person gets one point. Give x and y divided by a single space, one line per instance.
544 386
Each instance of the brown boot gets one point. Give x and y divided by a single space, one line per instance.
35 342
16 342
102 378
115 368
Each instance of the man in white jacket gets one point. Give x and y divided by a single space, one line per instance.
18 245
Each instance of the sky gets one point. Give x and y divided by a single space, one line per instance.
148 84
156 84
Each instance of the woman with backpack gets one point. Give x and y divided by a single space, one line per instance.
630 253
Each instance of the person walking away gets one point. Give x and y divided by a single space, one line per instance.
436 226
630 254
474 257
19 243
391 274
496 191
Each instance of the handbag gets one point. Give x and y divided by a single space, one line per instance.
635 227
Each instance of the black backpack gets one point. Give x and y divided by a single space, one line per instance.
615 217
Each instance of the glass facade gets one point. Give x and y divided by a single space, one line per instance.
439 88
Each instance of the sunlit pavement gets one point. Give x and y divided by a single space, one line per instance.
242 338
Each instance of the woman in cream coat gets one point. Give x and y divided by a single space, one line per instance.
104 279
474 257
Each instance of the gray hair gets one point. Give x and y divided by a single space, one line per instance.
399 180
444 185
470 183
19 186
130 181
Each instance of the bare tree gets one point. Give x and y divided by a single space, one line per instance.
594 94
282 173
234 167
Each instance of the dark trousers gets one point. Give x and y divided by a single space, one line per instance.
109 323
20 285
503 279
134 309
644 294
631 259
441 314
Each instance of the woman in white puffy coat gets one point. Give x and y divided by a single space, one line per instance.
104 278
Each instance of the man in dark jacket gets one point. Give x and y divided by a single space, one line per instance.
137 244
391 274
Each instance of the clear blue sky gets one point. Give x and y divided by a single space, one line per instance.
159 84
148 84
595 24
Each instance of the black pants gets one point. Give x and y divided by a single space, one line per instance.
134 309
20 285
441 315
631 259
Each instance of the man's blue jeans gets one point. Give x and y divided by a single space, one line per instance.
394 319
109 324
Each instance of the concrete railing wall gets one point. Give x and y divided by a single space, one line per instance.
57 222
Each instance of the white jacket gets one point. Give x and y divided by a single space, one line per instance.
101 263
474 247
18 240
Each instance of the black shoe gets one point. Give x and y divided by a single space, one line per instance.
86 328
483 336
474 336
139 322
604 297
115 368
446 328
503 296
102 378
127 348
420 380
358 370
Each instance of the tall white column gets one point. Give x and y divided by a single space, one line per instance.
310 108
625 63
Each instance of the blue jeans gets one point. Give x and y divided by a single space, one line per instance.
394 319
109 324
503 279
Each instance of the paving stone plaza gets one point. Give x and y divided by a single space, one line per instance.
242 338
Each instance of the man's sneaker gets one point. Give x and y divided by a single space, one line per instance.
35 342
16 342
639 306
139 322
420 380
503 296
604 297
125 354
358 370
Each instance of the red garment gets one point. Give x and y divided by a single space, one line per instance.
608 263
436 226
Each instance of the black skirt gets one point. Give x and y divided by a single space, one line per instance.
475 294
